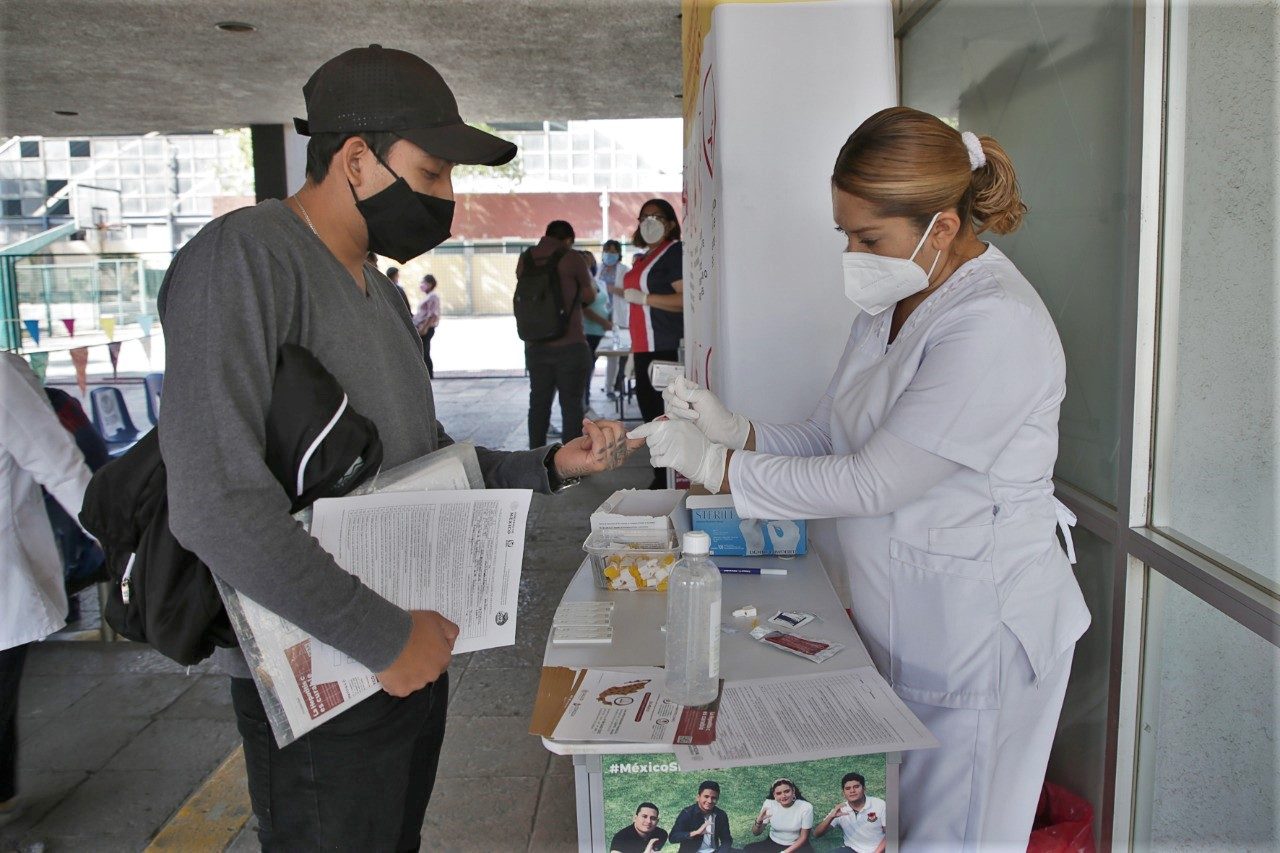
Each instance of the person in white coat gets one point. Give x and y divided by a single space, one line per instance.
934 449
35 451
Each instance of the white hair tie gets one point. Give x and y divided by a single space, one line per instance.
977 157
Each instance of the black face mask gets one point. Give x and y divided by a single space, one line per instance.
403 223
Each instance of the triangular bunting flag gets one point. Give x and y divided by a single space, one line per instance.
146 347
70 323
144 323
39 363
108 325
80 358
113 349
33 329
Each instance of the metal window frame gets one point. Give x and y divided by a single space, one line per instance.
1140 547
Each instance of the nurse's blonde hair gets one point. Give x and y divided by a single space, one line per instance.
910 163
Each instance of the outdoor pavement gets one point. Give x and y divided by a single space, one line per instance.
114 738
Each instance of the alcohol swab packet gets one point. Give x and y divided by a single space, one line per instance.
581 635
792 618
811 650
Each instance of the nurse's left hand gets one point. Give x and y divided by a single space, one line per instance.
682 446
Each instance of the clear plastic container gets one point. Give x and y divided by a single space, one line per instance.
633 566
693 625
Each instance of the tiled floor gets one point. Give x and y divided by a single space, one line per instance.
114 737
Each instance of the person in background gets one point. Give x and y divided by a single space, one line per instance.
559 367
789 817
859 817
654 288
427 318
393 276
703 827
643 835
612 271
595 322
35 452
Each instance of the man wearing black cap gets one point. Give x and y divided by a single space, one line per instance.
385 134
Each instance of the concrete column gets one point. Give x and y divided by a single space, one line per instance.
269 161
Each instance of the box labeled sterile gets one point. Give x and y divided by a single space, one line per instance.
732 536
645 516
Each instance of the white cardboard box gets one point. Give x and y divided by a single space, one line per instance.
646 516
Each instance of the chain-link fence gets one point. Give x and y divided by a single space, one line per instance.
86 289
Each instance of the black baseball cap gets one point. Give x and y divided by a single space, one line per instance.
372 89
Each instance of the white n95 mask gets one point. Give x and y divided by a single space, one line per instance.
875 282
652 230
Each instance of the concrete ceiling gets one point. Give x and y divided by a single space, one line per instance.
134 66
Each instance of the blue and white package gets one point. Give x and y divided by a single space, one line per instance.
732 536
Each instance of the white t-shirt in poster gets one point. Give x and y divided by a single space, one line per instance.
863 830
785 824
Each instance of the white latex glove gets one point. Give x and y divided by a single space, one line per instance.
680 445
634 296
689 401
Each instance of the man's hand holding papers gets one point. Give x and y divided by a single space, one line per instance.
424 657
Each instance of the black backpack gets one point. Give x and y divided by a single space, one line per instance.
162 594
538 304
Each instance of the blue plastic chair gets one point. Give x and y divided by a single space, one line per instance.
154 384
111 418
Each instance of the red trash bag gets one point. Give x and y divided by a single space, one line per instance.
1063 824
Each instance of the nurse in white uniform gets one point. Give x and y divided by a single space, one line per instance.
934 449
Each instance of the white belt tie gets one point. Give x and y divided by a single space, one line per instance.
1066 521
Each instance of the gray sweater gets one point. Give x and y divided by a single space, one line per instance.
247 283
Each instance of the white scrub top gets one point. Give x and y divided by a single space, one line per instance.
976 375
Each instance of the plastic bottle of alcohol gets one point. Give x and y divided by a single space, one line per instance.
693 624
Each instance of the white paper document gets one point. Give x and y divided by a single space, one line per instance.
802 718
458 552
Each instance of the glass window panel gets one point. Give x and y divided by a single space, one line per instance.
56 168
131 168
153 148
106 168
31 168
131 186
55 148
29 148
582 161
157 205
1217 475
81 168
626 161
1078 761
9 189
184 146
12 207
581 140
535 163
9 170
31 205
105 147
32 189
80 148
559 162
604 161
206 148
155 167
155 186
1208 761
1050 81
559 141
133 206
532 142
583 179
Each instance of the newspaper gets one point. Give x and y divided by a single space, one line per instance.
433 540
804 718
631 707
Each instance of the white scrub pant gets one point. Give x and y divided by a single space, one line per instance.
978 791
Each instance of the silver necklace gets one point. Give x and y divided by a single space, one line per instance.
305 218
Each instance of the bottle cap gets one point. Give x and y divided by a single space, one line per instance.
696 543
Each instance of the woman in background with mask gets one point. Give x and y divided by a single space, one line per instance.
612 272
934 449
654 288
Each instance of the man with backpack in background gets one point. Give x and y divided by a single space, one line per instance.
553 287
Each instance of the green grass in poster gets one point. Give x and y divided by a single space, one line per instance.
629 780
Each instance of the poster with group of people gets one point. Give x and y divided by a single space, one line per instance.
834 804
